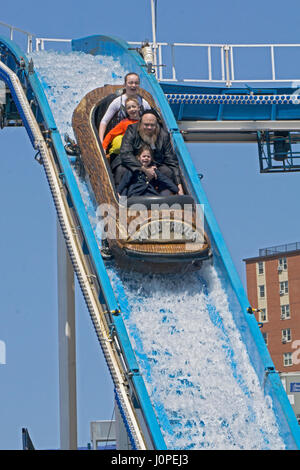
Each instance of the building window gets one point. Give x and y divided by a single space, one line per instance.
260 267
286 335
284 287
265 336
263 315
285 312
282 264
287 359
261 291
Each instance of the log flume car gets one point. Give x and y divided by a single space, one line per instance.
159 234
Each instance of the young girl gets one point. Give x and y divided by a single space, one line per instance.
131 85
113 139
148 181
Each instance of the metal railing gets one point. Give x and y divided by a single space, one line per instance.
12 29
223 71
273 250
226 64
40 42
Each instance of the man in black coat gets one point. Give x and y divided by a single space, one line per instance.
148 131
136 183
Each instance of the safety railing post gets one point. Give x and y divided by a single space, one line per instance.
154 45
227 68
222 64
155 62
159 70
29 43
209 63
273 63
231 64
173 62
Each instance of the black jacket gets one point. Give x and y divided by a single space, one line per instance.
136 183
163 153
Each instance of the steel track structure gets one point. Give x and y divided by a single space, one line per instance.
130 391
140 420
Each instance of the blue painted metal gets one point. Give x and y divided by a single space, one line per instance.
7 80
117 398
91 243
239 303
207 103
247 324
278 151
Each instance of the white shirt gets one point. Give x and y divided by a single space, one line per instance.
115 105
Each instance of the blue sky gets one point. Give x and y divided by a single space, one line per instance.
252 209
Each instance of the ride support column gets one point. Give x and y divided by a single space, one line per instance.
66 346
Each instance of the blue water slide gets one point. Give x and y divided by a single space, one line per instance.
13 57
245 321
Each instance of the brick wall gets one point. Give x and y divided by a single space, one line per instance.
273 300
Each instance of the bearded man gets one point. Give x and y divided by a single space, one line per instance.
148 131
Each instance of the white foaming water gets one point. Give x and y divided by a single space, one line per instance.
203 387
67 78
196 367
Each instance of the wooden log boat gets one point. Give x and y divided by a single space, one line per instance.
145 234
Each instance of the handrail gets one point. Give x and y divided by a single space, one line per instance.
40 42
226 64
11 34
226 59
274 250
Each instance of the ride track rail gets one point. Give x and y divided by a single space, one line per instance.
101 304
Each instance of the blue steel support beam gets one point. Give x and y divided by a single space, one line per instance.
206 103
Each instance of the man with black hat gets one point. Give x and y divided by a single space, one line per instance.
149 131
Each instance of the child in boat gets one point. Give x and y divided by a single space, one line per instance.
113 140
137 183
116 108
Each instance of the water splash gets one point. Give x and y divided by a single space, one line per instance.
199 377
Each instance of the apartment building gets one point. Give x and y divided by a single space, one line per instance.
273 286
